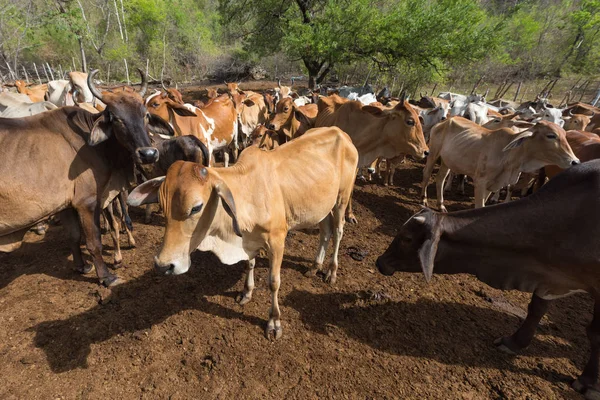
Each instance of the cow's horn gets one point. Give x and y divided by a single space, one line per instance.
142 91
571 112
91 85
74 95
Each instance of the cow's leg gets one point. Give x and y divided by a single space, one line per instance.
126 218
448 185
350 217
246 296
481 194
89 216
461 184
588 380
148 214
508 197
427 171
522 337
338 232
495 198
71 225
226 158
114 228
325 230
439 185
276 246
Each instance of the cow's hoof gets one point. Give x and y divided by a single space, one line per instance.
118 264
311 273
443 209
243 298
330 278
590 391
351 219
506 345
110 281
84 269
273 331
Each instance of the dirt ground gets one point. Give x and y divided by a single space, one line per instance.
368 337
64 337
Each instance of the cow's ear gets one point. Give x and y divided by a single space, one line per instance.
101 130
146 193
428 249
159 126
376 111
518 140
228 204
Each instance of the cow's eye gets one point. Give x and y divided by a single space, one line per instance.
154 105
286 109
410 122
196 209
551 137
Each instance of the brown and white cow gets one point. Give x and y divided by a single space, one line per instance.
494 159
252 112
544 244
235 212
215 125
76 163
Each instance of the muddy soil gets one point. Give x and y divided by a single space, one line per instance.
367 337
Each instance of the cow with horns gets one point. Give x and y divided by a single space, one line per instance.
76 163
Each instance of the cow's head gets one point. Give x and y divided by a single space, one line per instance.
190 196
212 93
159 104
270 101
415 247
544 144
402 129
232 87
79 84
577 122
126 118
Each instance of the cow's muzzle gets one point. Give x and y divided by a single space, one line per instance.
147 155
383 267
165 269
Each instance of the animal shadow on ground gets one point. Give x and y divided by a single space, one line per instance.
426 329
137 305
47 256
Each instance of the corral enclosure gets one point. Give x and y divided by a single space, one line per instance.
63 336
369 336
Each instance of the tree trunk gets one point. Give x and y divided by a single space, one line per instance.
83 60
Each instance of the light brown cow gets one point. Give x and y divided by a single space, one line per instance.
375 132
252 112
292 120
577 122
232 87
36 93
265 138
224 210
585 146
494 159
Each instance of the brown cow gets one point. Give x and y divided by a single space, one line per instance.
36 93
493 159
375 132
76 163
292 120
585 145
215 125
224 210
544 244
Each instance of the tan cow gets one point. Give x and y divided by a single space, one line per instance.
494 159
265 138
235 212
375 132
577 122
252 112
36 93
292 120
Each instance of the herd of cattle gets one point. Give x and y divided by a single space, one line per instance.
74 152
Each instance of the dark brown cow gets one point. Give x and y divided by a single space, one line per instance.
544 244
75 164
